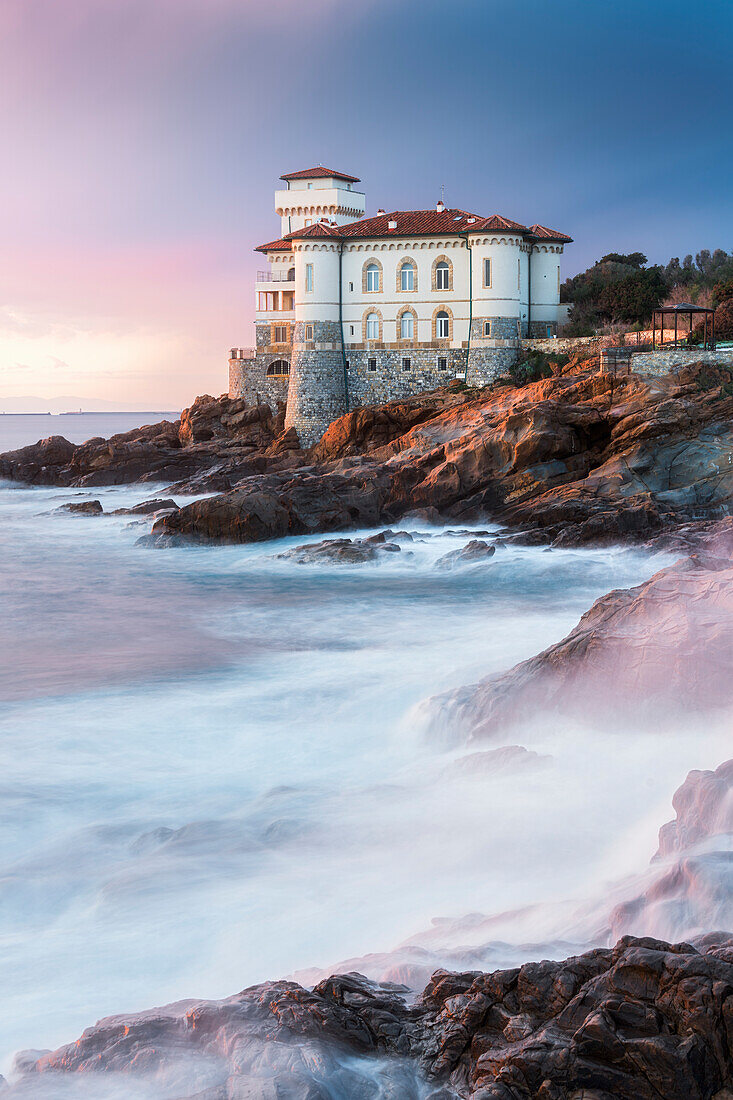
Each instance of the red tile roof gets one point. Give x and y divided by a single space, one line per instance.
410 223
282 244
319 173
416 223
497 223
546 234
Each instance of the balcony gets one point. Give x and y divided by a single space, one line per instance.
242 353
276 276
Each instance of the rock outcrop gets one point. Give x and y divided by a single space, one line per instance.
641 1021
216 443
660 649
581 457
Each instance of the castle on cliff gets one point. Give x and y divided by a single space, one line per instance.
354 311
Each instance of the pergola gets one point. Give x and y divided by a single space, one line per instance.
687 309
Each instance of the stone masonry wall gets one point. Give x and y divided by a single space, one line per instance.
662 362
248 378
317 390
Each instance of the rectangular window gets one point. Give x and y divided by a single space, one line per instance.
487 328
352 329
279 334
519 274
261 301
372 364
347 364
287 301
309 221
407 364
558 280
309 332
351 285
267 301
442 364
549 331
487 271
309 278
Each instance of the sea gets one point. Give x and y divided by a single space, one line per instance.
215 767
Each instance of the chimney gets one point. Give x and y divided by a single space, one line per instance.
440 206
380 211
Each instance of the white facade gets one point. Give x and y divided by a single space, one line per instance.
313 278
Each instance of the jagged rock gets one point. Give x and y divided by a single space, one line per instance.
474 551
83 507
214 435
581 457
642 1021
346 551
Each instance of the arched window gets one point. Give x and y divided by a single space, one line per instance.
442 276
407 276
372 278
372 326
442 325
291 274
407 325
279 368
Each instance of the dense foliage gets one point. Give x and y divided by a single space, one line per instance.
620 290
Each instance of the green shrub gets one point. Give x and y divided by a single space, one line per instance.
534 366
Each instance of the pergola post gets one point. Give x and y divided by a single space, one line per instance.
675 329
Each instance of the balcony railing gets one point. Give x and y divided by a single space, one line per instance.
275 276
242 353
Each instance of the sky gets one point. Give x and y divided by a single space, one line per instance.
143 141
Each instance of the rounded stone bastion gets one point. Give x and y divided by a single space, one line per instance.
317 389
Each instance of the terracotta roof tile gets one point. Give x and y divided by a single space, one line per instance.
410 223
282 244
416 223
497 223
546 234
319 173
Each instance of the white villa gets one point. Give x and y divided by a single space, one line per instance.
354 310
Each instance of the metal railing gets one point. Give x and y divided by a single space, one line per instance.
276 276
242 353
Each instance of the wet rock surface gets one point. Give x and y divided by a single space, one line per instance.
644 1019
664 647
345 551
83 507
474 551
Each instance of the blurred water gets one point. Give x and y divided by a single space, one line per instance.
211 775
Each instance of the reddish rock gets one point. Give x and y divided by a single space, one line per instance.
642 1021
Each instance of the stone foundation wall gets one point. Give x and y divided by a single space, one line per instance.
248 378
662 362
567 345
317 391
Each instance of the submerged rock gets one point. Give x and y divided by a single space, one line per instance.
346 551
475 551
146 507
83 507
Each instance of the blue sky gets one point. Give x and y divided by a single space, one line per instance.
146 139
